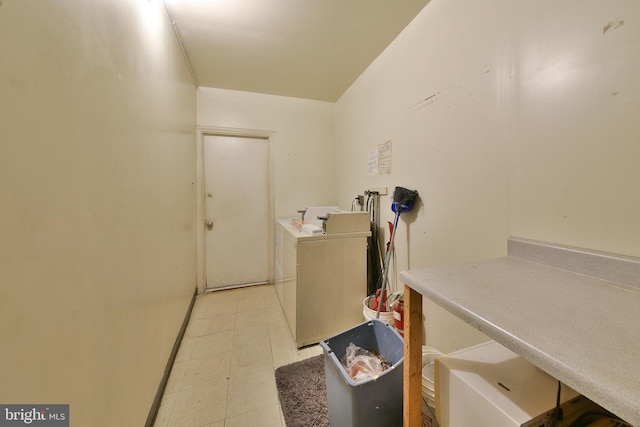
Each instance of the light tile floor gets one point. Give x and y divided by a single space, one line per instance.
223 375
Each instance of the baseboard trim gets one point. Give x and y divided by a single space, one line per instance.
155 406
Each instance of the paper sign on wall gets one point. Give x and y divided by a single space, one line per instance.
372 163
379 160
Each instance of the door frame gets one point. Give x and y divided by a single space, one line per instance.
202 132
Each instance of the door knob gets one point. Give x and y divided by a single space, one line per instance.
209 225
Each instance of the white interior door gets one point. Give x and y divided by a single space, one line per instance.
236 193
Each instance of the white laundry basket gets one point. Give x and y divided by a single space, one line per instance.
429 355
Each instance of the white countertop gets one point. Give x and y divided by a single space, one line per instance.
582 330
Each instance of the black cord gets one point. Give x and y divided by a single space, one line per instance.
557 413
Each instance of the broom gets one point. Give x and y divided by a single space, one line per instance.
401 202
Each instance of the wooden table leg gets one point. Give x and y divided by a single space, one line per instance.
412 393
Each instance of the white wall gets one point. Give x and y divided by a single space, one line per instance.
575 144
97 246
433 93
508 118
303 141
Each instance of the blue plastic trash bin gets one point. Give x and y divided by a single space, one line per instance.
370 403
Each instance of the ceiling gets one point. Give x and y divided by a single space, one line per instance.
309 49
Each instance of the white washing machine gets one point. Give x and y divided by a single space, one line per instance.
321 279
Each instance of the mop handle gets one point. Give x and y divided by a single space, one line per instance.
387 259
